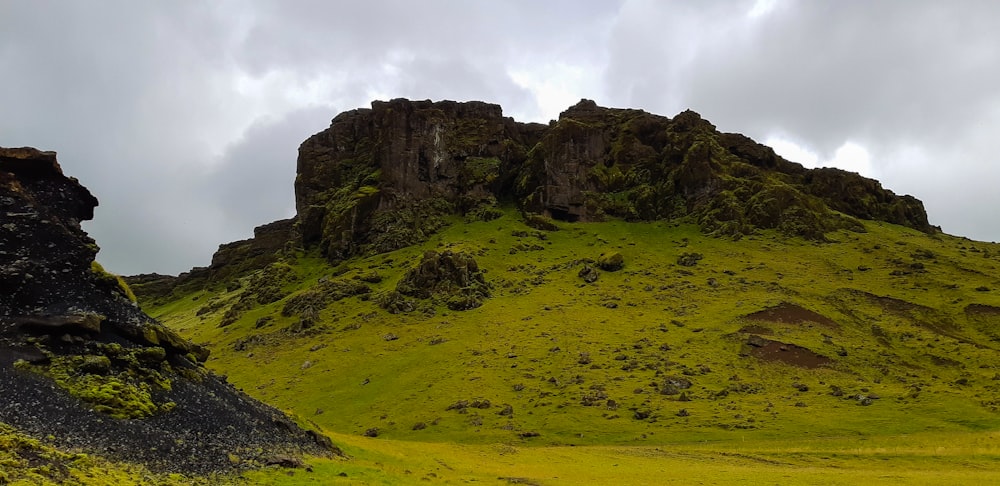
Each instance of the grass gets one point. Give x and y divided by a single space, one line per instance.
897 297
29 461
914 459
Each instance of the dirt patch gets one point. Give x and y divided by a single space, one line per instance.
790 354
788 313
985 319
891 304
982 310
756 329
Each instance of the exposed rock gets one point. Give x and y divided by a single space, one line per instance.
593 162
231 260
450 277
611 261
388 177
689 259
788 313
70 329
791 354
588 274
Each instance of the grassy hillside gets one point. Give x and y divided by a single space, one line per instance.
797 350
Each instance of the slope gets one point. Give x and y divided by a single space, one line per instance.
887 331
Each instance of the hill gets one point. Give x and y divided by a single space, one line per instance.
616 296
82 368
614 278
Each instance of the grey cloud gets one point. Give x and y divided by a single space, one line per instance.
252 183
148 105
897 77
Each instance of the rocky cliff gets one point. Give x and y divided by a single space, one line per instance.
80 362
387 177
380 178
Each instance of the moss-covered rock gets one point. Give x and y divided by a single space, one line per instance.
451 278
611 261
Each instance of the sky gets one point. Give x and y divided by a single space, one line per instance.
184 117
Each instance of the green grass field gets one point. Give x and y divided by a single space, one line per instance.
575 374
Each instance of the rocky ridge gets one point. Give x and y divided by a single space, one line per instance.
80 362
387 177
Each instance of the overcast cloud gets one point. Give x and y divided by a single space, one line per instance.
184 117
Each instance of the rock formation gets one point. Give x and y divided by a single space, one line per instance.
384 178
79 361
378 178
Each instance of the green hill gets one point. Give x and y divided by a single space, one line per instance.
615 283
887 331
616 297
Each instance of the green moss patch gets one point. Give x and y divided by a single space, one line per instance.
120 382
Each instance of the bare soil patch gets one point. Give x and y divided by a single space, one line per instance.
791 354
982 310
788 313
756 329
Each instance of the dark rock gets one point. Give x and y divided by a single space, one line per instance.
689 259
592 162
387 177
282 460
588 274
59 308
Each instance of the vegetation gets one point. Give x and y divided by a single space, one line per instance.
25 460
115 280
118 381
695 353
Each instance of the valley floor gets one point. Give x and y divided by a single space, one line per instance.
953 458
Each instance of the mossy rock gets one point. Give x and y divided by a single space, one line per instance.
689 259
540 222
611 261
453 278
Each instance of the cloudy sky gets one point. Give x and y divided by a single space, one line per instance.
184 117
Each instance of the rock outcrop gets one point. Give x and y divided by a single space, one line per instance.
381 178
230 260
79 361
387 177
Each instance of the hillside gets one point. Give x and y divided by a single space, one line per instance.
84 371
456 281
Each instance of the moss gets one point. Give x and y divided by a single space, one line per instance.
540 222
479 171
451 278
611 261
92 378
114 280
406 225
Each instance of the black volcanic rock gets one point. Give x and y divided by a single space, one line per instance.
67 328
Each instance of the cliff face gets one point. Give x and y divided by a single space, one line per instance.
81 362
379 178
387 177
414 161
